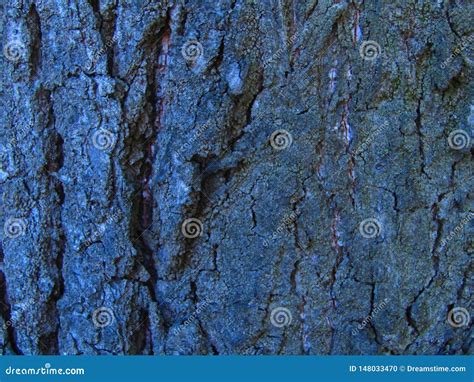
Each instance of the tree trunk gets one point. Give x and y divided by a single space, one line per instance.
236 177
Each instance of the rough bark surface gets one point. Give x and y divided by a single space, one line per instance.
122 119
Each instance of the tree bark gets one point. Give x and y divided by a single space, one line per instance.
236 177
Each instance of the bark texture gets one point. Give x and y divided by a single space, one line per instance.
195 177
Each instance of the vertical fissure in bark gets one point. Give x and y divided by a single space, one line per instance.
371 313
5 311
33 23
49 342
145 139
339 253
419 127
106 26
